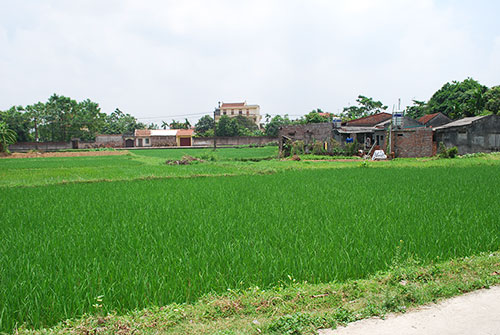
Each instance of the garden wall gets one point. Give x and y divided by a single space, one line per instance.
236 140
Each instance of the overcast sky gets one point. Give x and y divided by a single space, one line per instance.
166 59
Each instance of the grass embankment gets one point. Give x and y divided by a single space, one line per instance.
154 242
299 308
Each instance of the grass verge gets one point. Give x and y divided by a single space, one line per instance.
299 308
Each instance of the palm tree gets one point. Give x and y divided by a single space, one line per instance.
7 136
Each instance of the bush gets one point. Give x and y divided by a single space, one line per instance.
298 148
351 149
447 153
452 152
318 148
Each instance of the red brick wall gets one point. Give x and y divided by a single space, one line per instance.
415 142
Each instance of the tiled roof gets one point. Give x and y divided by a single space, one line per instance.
233 104
369 121
185 132
142 132
426 118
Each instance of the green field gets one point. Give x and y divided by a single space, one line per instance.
149 238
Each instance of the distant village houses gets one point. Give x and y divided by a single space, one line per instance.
234 109
401 137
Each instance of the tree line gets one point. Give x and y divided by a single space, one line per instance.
61 118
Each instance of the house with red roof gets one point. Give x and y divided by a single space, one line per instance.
163 137
233 109
434 120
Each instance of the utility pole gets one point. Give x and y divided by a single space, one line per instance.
216 112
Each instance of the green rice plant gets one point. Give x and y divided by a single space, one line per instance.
127 245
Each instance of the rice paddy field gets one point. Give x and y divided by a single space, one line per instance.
97 234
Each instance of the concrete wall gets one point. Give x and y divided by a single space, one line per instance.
43 146
482 135
236 140
308 132
413 142
109 141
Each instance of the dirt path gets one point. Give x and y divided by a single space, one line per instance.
66 154
475 313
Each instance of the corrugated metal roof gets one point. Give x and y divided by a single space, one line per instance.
355 130
462 122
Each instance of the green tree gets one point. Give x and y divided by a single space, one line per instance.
417 110
315 117
121 123
227 126
366 106
19 121
273 125
458 99
204 124
246 123
180 125
7 137
492 100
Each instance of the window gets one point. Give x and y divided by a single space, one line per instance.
146 141
248 113
224 112
241 112
232 112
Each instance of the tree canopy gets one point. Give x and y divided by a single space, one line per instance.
61 118
7 137
458 99
366 106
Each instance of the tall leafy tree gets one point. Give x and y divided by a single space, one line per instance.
227 126
18 121
417 110
315 117
492 100
121 123
366 106
180 125
204 124
7 137
273 125
458 99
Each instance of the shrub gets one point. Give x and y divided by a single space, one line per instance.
447 153
298 148
452 152
318 148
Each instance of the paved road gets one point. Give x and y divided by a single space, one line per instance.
476 313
